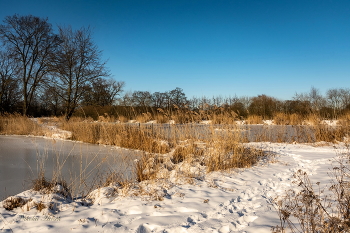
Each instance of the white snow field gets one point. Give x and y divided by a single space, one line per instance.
233 201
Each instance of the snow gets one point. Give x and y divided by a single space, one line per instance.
151 122
228 201
330 122
51 130
208 122
268 122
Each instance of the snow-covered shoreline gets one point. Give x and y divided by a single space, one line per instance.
235 201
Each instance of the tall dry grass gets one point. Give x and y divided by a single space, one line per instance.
224 117
161 118
19 125
211 147
254 119
136 136
219 150
288 119
344 120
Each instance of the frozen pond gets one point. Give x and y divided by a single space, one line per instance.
252 133
21 158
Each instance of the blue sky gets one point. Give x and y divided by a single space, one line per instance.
211 48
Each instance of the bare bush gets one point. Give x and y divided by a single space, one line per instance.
14 202
312 208
45 186
39 206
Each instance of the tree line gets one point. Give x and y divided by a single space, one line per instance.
334 103
44 73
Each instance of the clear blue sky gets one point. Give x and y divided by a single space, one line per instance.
227 48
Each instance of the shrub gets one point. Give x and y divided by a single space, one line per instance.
45 186
13 203
311 210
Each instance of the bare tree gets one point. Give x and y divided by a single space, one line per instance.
9 83
160 99
314 97
334 99
31 42
51 101
194 103
246 101
178 97
102 92
345 97
77 65
264 105
126 99
142 98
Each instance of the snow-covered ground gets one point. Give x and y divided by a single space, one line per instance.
235 201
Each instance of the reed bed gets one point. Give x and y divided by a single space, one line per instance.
19 125
127 136
288 119
167 146
254 119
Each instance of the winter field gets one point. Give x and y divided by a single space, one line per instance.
180 193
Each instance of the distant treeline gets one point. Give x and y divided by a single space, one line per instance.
335 103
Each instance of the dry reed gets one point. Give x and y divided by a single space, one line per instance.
287 119
254 119
19 125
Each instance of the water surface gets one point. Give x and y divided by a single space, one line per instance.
23 157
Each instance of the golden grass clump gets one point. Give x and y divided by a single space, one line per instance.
344 120
330 134
114 178
288 119
19 125
127 136
254 119
230 153
223 117
144 117
106 118
147 167
312 119
43 185
181 117
161 118
217 151
187 152
122 119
